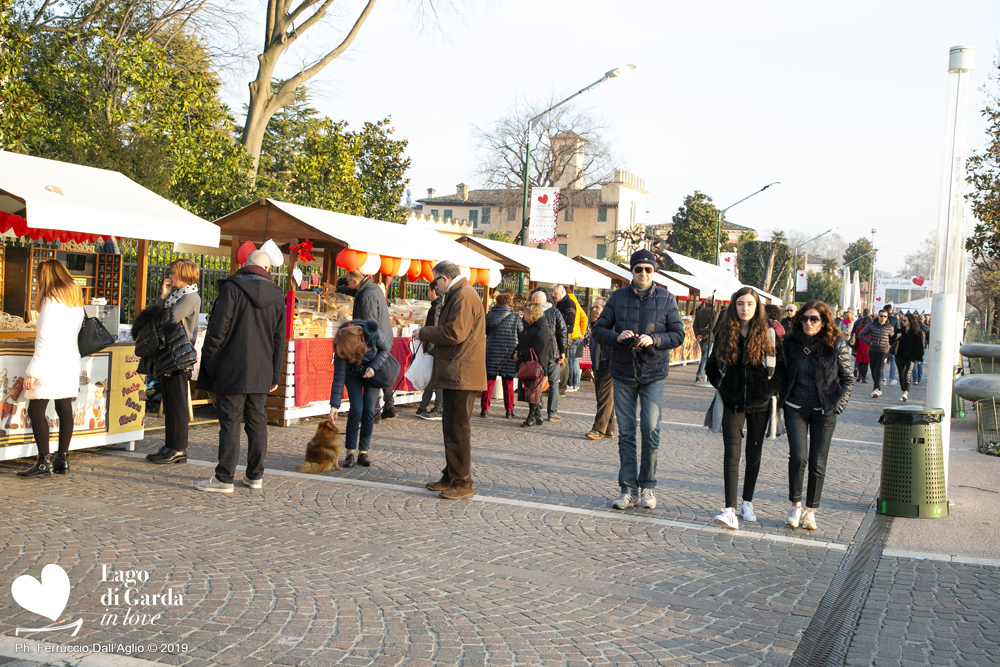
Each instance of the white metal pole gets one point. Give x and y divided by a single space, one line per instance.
949 256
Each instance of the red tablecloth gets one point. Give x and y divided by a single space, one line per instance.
585 357
314 372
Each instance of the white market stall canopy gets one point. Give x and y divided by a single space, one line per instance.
692 283
290 223
770 298
715 277
915 306
61 196
542 266
660 278
613 271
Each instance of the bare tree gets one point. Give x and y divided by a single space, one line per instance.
830 246
921 262
567 148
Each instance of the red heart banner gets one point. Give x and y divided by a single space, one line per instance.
544 199
918 281
729 259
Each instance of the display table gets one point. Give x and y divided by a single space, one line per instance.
109 408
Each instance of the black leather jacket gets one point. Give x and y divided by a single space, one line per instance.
832 366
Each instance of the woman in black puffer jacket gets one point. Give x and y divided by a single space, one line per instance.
503 326
816 390
536 337
911 351
747 368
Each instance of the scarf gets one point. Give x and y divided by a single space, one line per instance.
179 293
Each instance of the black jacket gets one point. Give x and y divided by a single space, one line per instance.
877 336
165 343
599 354
431 320
654 314
746 388
244 347
568 310
537 337
911 347
503 326
704 323
370 304
834 375
560 334
378 351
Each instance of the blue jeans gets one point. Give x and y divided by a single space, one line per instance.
361 414
632 474
554 369
892 368
706 349
574 363
918 372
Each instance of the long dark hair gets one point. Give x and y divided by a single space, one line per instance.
727 340
830 332
912 325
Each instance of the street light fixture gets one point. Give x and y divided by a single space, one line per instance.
610 74
722 213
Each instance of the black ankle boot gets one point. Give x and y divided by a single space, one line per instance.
43 466
60 463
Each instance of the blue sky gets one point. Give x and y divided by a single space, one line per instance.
843 102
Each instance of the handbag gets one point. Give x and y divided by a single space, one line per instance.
531 369
387 373
93 337
894 348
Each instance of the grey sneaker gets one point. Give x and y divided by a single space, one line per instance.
794 517
213 485
647 500
431 415
554 417
252 483
626 501
809 520
746 510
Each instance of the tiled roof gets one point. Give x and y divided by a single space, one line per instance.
731 226
511 197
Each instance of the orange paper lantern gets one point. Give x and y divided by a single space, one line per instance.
416 268
386 268
426 271
347 259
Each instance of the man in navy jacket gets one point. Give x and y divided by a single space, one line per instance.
639 326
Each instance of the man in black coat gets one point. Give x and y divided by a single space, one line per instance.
557 325
640 324
241 363
370 304
704 332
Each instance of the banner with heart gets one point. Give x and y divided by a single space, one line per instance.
47 597
544 215
728 261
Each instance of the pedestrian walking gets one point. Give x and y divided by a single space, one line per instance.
434 413
180 305
576 325
604 420
558 352
703 326
503 326
533 344
918 368
910 351
241 363
774 319
861 357
790 310
817 389
54 370
459 337
370 304
891 358
360 351
878 335
747 368
846 322
639 326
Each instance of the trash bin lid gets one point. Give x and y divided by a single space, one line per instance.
911 414
914 410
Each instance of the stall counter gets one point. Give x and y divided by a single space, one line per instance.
109 408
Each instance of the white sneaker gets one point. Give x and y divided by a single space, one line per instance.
893 382
874 393
727 519
647 500
624 502
904 398
252 483
809 520
794 517
213 485
746 511
879 392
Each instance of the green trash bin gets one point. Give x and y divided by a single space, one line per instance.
912 463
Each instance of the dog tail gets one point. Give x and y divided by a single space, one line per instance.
313 467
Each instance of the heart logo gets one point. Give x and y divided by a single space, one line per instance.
729 259
47 598
919 281
544 199
878 298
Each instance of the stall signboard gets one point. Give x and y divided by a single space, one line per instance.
801 281
727 260
544 215
127 391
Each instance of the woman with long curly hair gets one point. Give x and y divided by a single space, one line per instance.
816 390
910 352
747 368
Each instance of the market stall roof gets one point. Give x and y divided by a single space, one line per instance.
677 289
717 278
770 297
612 271
692 283
917 305
70 197
284 222
542 266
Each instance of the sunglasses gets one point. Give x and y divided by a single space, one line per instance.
815 319
642 269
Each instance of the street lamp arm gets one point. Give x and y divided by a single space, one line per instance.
858 259
722 213
608 75
748 196
813 239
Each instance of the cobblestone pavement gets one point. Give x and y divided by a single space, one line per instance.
364 566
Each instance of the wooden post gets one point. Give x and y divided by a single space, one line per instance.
233 251
590 299
141 275
293 258
402 286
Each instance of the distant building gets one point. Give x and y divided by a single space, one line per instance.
731 232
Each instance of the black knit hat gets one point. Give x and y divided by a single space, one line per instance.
642 257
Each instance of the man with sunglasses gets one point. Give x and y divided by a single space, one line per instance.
639 326
878 335
790 310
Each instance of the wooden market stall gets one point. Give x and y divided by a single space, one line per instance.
383 250
73 206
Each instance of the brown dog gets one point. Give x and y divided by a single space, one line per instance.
323 451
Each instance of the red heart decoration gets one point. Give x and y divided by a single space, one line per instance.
918 281
544 199
729 259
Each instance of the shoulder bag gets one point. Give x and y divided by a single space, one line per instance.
531 369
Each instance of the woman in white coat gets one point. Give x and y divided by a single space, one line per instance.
54 370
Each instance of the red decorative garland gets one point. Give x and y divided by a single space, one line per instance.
304 250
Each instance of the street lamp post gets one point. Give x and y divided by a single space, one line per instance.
722 213
527 151
795 266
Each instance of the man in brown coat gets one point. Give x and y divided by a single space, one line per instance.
459 337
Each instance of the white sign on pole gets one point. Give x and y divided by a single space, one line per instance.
728 261
879 301
914 283
801 281
544 214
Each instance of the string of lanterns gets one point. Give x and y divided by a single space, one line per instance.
19 226
370 263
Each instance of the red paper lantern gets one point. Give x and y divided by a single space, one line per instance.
386 268
64 236
347 259
426 271
244 251
33 233
416 268
18 224
4 222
